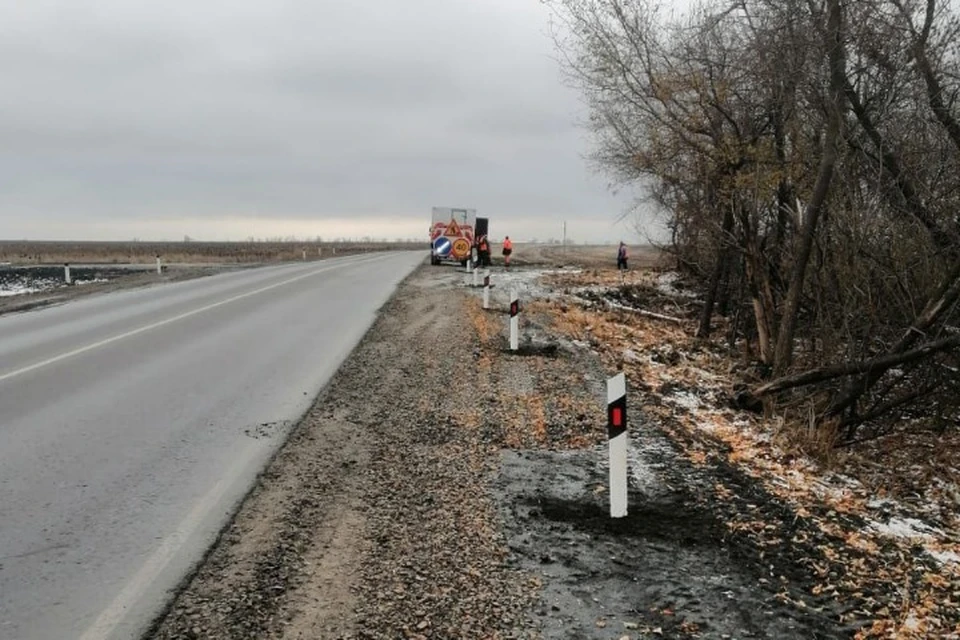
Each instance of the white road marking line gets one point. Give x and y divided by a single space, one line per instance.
111 617
160 323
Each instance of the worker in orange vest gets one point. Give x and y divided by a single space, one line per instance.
507 250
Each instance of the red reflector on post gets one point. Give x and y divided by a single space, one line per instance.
617 417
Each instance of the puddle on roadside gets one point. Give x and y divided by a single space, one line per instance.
664 566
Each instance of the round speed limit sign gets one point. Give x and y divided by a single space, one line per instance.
461 249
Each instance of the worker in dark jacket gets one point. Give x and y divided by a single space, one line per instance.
622 257
483 251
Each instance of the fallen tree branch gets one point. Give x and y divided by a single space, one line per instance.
822 374
645 314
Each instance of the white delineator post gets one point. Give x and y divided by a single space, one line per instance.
159 268
486 289
476 277
304 254
470 267
66 273
617 438
514 320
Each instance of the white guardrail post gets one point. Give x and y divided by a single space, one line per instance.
514 320
159 267
486 289
66 273
617 438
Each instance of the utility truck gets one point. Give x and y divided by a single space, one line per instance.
454 234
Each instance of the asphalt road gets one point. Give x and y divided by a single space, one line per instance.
132 423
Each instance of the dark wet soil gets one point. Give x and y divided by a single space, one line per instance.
665 569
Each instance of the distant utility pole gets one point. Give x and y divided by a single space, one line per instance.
564 241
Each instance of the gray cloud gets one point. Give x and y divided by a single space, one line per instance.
127 109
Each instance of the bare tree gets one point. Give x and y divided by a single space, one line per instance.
783 138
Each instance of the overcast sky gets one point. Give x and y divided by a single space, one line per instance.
227 119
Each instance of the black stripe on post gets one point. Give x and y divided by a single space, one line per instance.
514 308
617 417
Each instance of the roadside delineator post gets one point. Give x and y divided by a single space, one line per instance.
159 268
617 438
514 320
476 277
470 267
304 254
66 273
486 289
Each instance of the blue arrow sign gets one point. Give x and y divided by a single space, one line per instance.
442 246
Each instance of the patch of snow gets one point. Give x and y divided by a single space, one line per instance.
710 426
835 486
91 281
526 282
561 271
665 285
881 503
630 355
911 623
944 557
843 481
905 528
18 289
24 284
594 289
641 475
796 475
684 399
